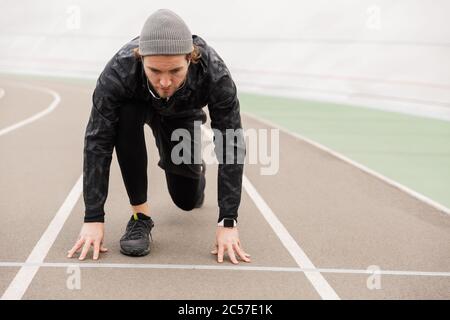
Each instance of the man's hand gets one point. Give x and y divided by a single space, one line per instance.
91 234
227 239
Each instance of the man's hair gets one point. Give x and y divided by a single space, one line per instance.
194 56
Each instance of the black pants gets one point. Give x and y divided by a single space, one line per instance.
185 191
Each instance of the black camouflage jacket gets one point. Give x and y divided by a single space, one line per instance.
208 83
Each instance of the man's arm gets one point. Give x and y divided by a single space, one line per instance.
98 148
99 140
225 116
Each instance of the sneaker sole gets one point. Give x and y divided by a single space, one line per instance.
134 253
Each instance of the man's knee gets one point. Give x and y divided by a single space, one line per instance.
184 204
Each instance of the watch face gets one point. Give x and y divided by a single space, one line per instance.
228 223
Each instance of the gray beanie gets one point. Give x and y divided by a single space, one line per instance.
165 33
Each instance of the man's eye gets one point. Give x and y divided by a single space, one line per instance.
175 71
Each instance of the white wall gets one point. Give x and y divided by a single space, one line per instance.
383 53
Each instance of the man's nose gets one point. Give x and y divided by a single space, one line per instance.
165 82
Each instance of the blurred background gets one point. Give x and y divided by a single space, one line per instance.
369 79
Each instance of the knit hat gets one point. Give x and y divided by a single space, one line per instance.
165 33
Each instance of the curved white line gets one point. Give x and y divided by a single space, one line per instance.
50 108
2 93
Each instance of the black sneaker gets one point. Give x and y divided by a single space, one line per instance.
136 240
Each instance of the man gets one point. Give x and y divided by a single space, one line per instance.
163 78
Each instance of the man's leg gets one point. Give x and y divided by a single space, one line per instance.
187 193
132 155
143 208
186 182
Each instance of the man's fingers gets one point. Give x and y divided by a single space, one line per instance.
102 248
99 248
239 244
231 254
96 249
75 248
231 249
241 253
220 253
85 250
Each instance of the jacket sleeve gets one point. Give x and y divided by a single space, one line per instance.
229 143
100 139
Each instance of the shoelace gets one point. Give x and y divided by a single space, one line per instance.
137 230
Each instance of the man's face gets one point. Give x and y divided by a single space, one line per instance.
166 73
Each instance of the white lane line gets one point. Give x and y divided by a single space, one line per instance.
231 268
23 278
393 183
2 93
319 283
50 108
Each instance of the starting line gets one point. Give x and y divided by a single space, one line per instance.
369 271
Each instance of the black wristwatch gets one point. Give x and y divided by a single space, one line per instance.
227 223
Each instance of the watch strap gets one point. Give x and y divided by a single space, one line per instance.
227 223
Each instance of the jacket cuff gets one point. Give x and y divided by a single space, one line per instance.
94 218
